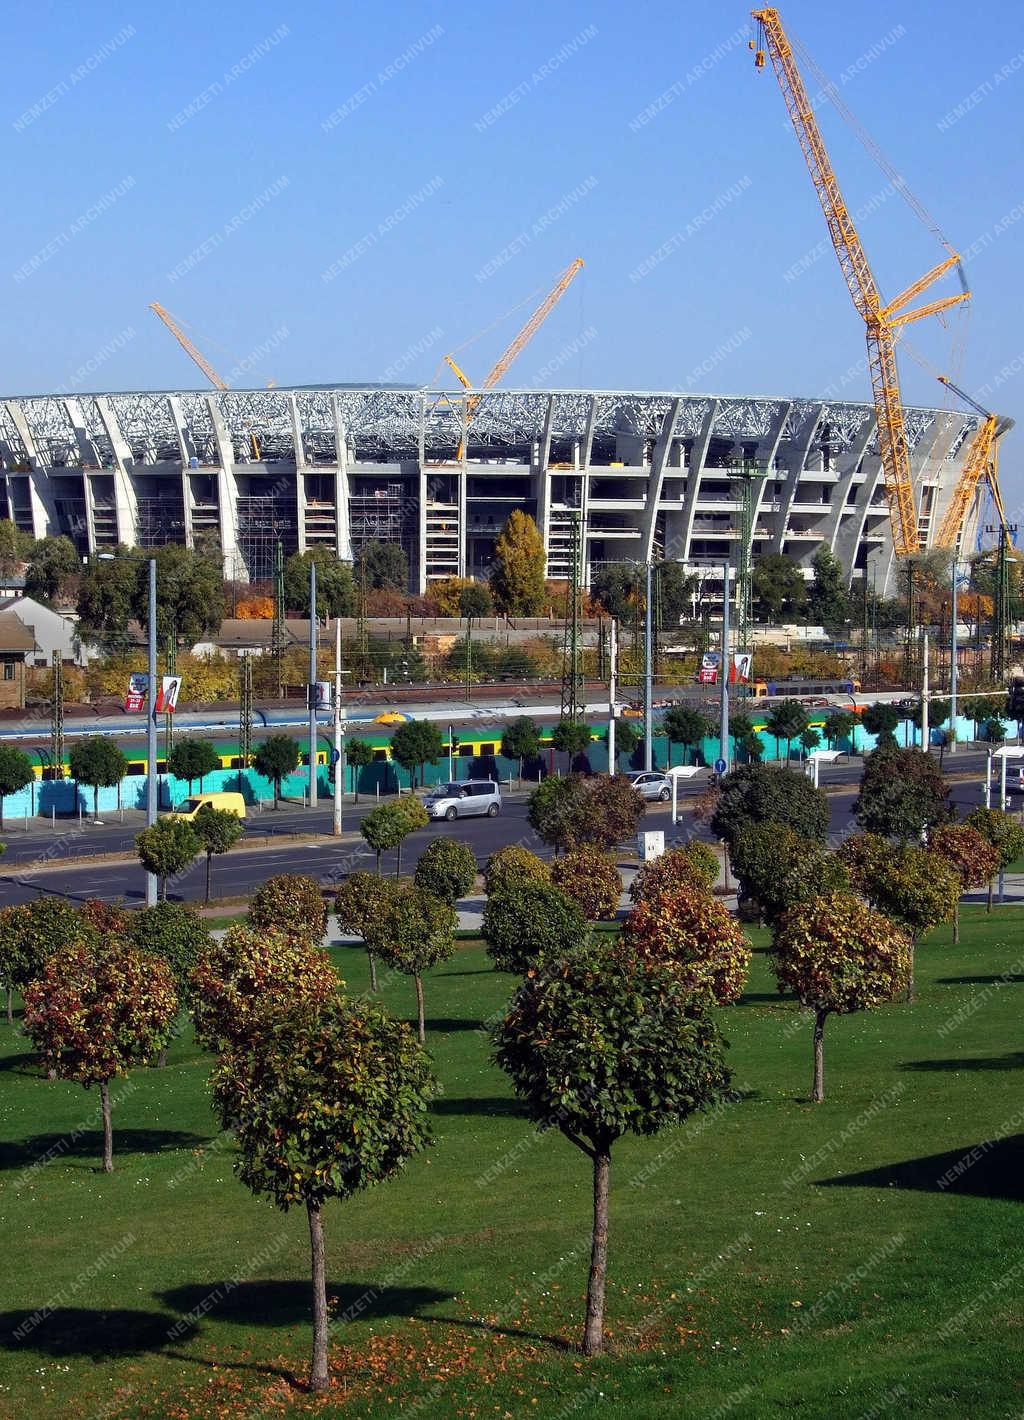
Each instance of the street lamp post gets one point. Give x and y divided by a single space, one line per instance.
151 752
312 684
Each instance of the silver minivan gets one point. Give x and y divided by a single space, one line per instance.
480 797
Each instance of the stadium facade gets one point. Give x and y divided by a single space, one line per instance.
650 475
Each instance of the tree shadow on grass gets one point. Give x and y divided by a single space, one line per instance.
84 1331
88 1145
1013 1061
269 1303
980 981
557 1343
26 1063
453 1023
988 1169
497 1108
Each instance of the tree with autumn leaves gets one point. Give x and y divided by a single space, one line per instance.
95 1010
682 927
971 856
838 956
599 1043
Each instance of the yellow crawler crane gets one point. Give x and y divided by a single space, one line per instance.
883 321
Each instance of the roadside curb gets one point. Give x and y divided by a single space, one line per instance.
86 860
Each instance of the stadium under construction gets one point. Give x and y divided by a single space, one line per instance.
694 478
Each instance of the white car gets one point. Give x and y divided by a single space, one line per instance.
472 798
652 784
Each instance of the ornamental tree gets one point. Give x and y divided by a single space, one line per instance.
176 933
167 849
98 763
95 1010
383 828
520 740
972 857
1005 834
608 813
524 923
416 744
29 932
290 902
251 975
570 737
358 754
598 1044
902 793
881 721
685 725
447 869
16 771
693 864
360 901
627 737
326 1101
413 815
512 865
218 831
692 933
413 932
755 793
840 725
551 807
591 880
862 855
275 758
777 868
838 956
917 890
786 721
192 759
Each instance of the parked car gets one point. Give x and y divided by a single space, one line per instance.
227 803
473 797
652 785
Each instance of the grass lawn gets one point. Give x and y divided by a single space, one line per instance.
771 1258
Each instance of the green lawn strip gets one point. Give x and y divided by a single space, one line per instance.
715 1257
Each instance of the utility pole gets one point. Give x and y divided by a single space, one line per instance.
925 726
612 652
245 716
1001 602
277 630
953 666
723 721
339 734
57 719
572 666
312 683
151 779
909 644
649 672
171 660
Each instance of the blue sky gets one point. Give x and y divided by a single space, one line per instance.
342 193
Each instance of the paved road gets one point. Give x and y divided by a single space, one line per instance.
27 871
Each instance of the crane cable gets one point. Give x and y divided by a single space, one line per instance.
540 291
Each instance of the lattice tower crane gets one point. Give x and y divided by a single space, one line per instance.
883 321
979 465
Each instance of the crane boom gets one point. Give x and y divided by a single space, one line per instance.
881 321
978 465
186 344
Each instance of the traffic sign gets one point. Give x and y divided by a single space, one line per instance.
335 755
720 766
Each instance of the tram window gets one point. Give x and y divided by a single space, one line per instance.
304 758
236 762
487 749
380 756
466 750
137 766
161 766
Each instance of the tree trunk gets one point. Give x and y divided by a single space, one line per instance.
318 1360
378 862
277 791
419 1008
161 1057
163 888
108 1136
725 863
990 887
956 923
10 1004
373 969
95 801
1 811
398 862
209 867
593 1333
819 1056
911 988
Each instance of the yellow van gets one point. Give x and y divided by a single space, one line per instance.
228 803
